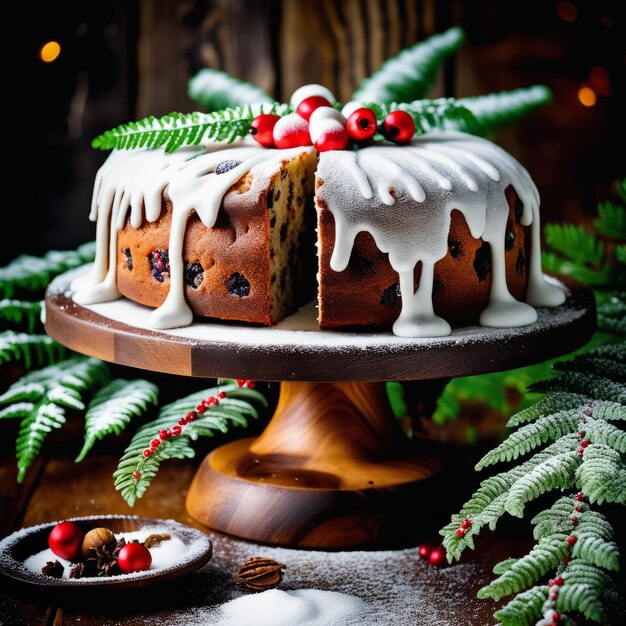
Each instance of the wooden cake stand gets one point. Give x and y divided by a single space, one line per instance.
332 468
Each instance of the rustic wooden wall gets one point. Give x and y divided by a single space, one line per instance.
275 44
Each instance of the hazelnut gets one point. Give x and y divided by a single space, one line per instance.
96 538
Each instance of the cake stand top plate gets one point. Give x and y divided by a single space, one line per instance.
296 349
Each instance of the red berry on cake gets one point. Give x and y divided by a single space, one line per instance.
333 137
361 125
134 557
66 540
424 551
323 120
310 104
262 128
399 127
291 131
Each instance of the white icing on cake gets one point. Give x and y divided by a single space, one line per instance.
402 195
421 184
134 181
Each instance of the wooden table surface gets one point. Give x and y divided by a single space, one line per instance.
56 488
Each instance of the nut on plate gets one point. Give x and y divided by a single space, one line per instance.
95 539
260 573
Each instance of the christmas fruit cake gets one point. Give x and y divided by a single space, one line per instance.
415 232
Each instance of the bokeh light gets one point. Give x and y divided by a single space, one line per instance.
587 96
600 80
567 11
50 51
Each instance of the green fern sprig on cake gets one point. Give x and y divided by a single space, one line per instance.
176 130
582 420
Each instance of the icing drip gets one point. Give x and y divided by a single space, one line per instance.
135 180
421 184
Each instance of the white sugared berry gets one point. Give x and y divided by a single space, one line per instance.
350 107
307 91
332 136
291 131
323 113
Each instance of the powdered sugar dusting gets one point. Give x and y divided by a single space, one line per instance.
303 607
394 587
186 545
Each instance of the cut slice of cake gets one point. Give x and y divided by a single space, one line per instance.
249 263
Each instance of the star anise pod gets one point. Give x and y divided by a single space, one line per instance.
52 568
104 557
260 573
77 570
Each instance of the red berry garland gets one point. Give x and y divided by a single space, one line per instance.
466 524
177 429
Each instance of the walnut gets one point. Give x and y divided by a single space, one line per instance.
260 573
95 539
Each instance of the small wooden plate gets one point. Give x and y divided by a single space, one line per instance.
16 548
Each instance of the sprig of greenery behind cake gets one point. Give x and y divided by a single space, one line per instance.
401 83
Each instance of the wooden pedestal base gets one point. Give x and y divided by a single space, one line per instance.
331 470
